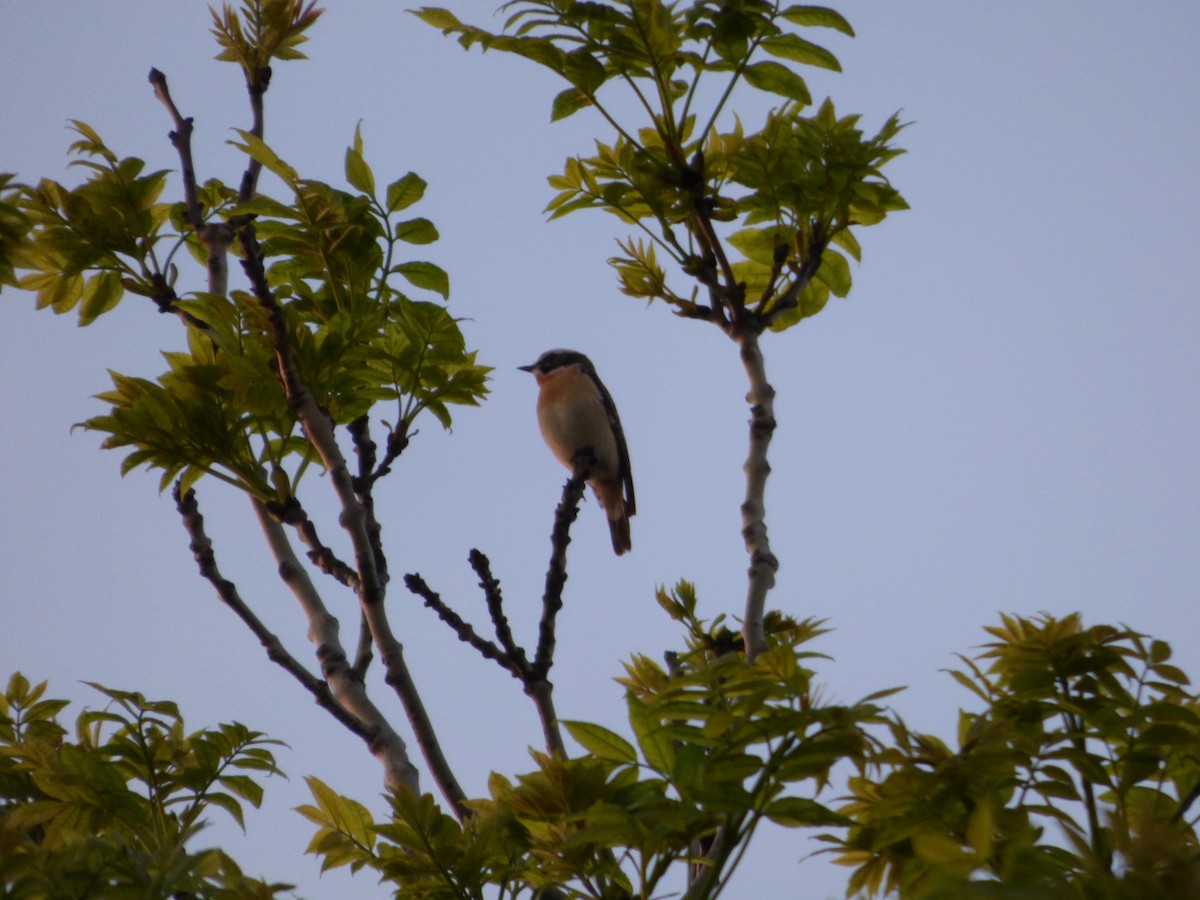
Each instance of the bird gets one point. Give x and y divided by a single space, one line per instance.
576 413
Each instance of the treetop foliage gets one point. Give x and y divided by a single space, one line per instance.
797 186
334 262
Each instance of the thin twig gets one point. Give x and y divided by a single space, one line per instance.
488 650
215 238
256 86
495 605
364 653
802 276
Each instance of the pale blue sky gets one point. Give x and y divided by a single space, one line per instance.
1003 415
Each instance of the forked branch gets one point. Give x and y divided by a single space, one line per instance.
507 653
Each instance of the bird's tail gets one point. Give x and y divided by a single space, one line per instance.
619 528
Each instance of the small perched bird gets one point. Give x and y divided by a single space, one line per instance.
575 413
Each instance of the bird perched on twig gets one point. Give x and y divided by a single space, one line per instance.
576 413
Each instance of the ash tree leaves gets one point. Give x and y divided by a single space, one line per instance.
363 330
112 811
1077 778
716 745
811 178
91 243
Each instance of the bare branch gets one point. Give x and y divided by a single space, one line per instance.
509 654
256 84
340 695
181 140
541 692
201 547
364 652
763 563
365 449
214 237
495 605
323 631
293 514
556 573
462 628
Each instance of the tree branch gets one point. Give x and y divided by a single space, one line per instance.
318 429
215 238
256 85
339 694
508 654
495 605
363 654
763 563
201 546
556 573
803 274
462 628
323 630
293 514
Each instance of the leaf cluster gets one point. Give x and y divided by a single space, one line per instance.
14 226
1076 780
810 178
262 30
90 244
110 812
334 262
718 748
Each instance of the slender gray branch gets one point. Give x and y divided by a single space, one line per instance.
256 85
323 631
763 563
293 514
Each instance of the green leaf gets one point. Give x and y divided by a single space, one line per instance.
229 804
404 192
1160 651
257 150
567 103
795 812
101 293
834 273
426 275
437 17
778 79
656 744
416 231
981 826
795 48
817 17
1174 674
939 849
358 173
601 742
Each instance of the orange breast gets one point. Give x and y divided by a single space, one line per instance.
572 416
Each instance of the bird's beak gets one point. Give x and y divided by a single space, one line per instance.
528 368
